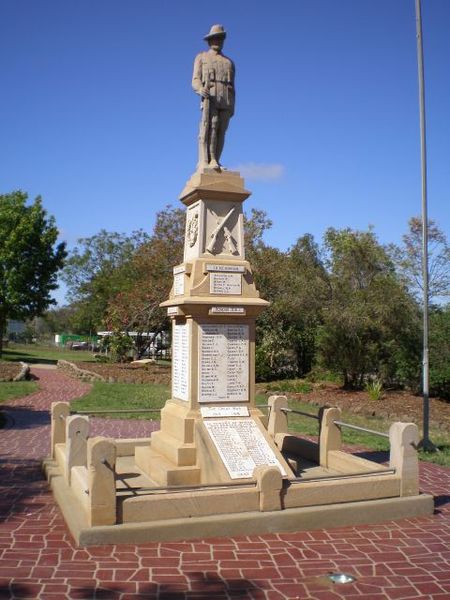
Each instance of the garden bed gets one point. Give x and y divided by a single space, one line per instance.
123 372
396 404
13 371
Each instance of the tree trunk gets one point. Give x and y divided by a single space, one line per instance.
2 329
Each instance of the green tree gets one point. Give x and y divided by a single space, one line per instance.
59 319
255 226
97 269
295 283
440 351
136 308
371 325
408 258
29 259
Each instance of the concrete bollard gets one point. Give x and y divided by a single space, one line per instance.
59 412
330 435
269 482
277 418
77 433
101 462
404 438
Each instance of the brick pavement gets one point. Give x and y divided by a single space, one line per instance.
396 560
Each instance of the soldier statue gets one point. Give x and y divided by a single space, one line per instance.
213 80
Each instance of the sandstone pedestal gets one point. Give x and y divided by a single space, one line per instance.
211 431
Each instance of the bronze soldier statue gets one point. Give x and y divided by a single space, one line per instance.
213 80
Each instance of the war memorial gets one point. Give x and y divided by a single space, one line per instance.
219 465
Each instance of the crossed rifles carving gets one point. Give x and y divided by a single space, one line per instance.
222 225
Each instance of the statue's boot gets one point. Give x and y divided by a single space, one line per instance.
213 164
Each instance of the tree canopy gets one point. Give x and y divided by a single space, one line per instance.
136 308
347 304
97 269
29 258
370 322
409 259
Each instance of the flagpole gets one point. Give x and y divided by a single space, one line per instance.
425 443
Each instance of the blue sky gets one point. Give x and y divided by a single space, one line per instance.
97 114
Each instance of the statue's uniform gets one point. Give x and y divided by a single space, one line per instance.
214 72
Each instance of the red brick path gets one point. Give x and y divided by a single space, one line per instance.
401 560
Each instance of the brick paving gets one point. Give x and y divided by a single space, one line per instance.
38 560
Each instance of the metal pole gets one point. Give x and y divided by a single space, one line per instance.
358 428
426 444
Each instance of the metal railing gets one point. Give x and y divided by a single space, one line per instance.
104 411
300 412
185 488
358 428
343 476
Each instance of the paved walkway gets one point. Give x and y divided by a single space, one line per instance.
38 560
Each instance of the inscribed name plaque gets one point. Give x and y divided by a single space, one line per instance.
223 363
180 361
178 284
225 284
227 310
225 268
224 411
241 446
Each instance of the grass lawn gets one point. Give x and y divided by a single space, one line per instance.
121 396
104 396
16 389
32 353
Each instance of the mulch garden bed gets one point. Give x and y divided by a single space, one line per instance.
9 370
128 373
401 405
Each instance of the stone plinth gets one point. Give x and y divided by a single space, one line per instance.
211 430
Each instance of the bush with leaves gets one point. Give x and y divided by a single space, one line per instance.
370 322
440 351
295 283
121 346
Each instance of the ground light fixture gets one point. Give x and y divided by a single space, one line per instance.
341 578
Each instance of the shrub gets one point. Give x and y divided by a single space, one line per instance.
121 345
374 389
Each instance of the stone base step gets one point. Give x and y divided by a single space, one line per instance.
163 471
182 455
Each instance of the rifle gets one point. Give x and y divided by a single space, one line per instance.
203 159
215 233
232 248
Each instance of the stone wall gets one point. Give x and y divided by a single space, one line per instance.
24 372
73 371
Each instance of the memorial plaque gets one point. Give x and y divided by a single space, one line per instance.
227 310
225 284
224 411
179 269
241 446
178 284
180 361
226 268
223 363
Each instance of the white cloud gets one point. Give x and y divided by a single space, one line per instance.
260 171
